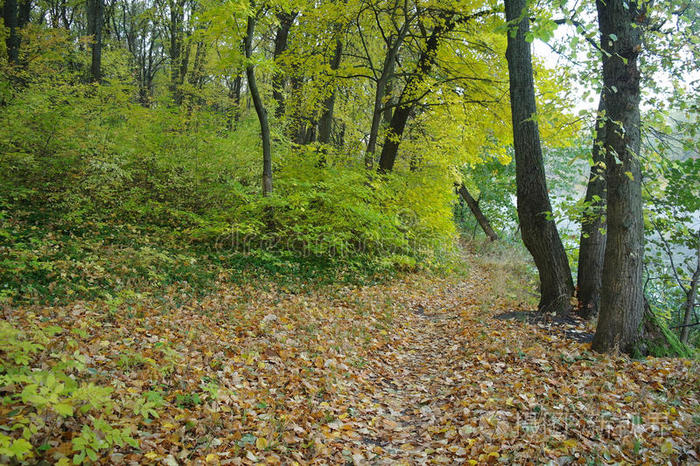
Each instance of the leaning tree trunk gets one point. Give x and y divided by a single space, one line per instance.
259 108
478 214
397 125
539 231
592 243
410 94
689 308
379 93
622 296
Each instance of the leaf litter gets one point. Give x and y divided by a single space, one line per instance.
418 371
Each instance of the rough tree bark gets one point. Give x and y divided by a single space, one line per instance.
539 232
281 39
478 214
259 108
95 20
622 297
592 243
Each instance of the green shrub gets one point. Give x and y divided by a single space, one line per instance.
38 392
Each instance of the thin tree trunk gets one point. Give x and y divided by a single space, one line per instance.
196 77
539 231
95 17
388 107
176 42
407 99
325 123
235 95
622 296
259 109
592 243
478 214
379 93
690 298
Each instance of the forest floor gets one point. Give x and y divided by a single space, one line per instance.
418 371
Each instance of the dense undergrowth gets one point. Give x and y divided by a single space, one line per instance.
102 197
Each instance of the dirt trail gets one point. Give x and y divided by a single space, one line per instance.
407 384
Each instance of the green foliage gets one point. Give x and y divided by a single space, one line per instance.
37 392
147 406
188 400
102 197
493 184
672 206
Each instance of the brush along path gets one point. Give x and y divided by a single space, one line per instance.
417 371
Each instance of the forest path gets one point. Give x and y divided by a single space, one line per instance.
408 386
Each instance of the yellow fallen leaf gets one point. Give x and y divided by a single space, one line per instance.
667 447
571 443
211 458
261 443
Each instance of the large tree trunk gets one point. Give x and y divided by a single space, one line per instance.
592 243
622 297
259 109
10 20
478 214
539 231
281 39
95 17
